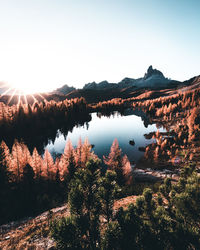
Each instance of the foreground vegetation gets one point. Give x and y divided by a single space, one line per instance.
168 219
32 181
31 184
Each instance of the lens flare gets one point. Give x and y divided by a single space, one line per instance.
15 92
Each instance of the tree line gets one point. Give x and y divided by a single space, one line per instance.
36 124
31 183
179 115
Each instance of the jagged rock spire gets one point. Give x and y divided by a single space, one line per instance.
151 71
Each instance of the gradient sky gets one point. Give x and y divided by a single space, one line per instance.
45 44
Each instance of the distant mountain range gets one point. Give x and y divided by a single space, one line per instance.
153 82
152 85
153 78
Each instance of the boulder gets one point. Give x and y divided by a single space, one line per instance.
132 142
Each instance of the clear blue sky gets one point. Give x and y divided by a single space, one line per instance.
47 43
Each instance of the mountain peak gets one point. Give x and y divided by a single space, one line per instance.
65 89
151 71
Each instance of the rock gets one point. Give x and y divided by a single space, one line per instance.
166 171
142 149
149 136
151 72
139 170
132 142
150 172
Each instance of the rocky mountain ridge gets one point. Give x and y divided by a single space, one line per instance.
153 78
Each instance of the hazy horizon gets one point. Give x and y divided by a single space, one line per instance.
46 44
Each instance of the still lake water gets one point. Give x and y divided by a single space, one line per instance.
101 133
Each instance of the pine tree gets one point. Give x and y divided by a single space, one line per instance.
127 170
114 161
78 153
48 162
68 161
26 155
17 161
37 164
86 148
6 152
4 173
108 191
28 175
81 229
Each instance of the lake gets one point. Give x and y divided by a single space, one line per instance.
101 132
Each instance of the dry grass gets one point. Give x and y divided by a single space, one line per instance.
125 202
32 233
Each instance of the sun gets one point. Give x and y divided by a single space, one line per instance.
28 83
26 88
21 90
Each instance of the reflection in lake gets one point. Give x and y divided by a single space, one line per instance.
101 132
